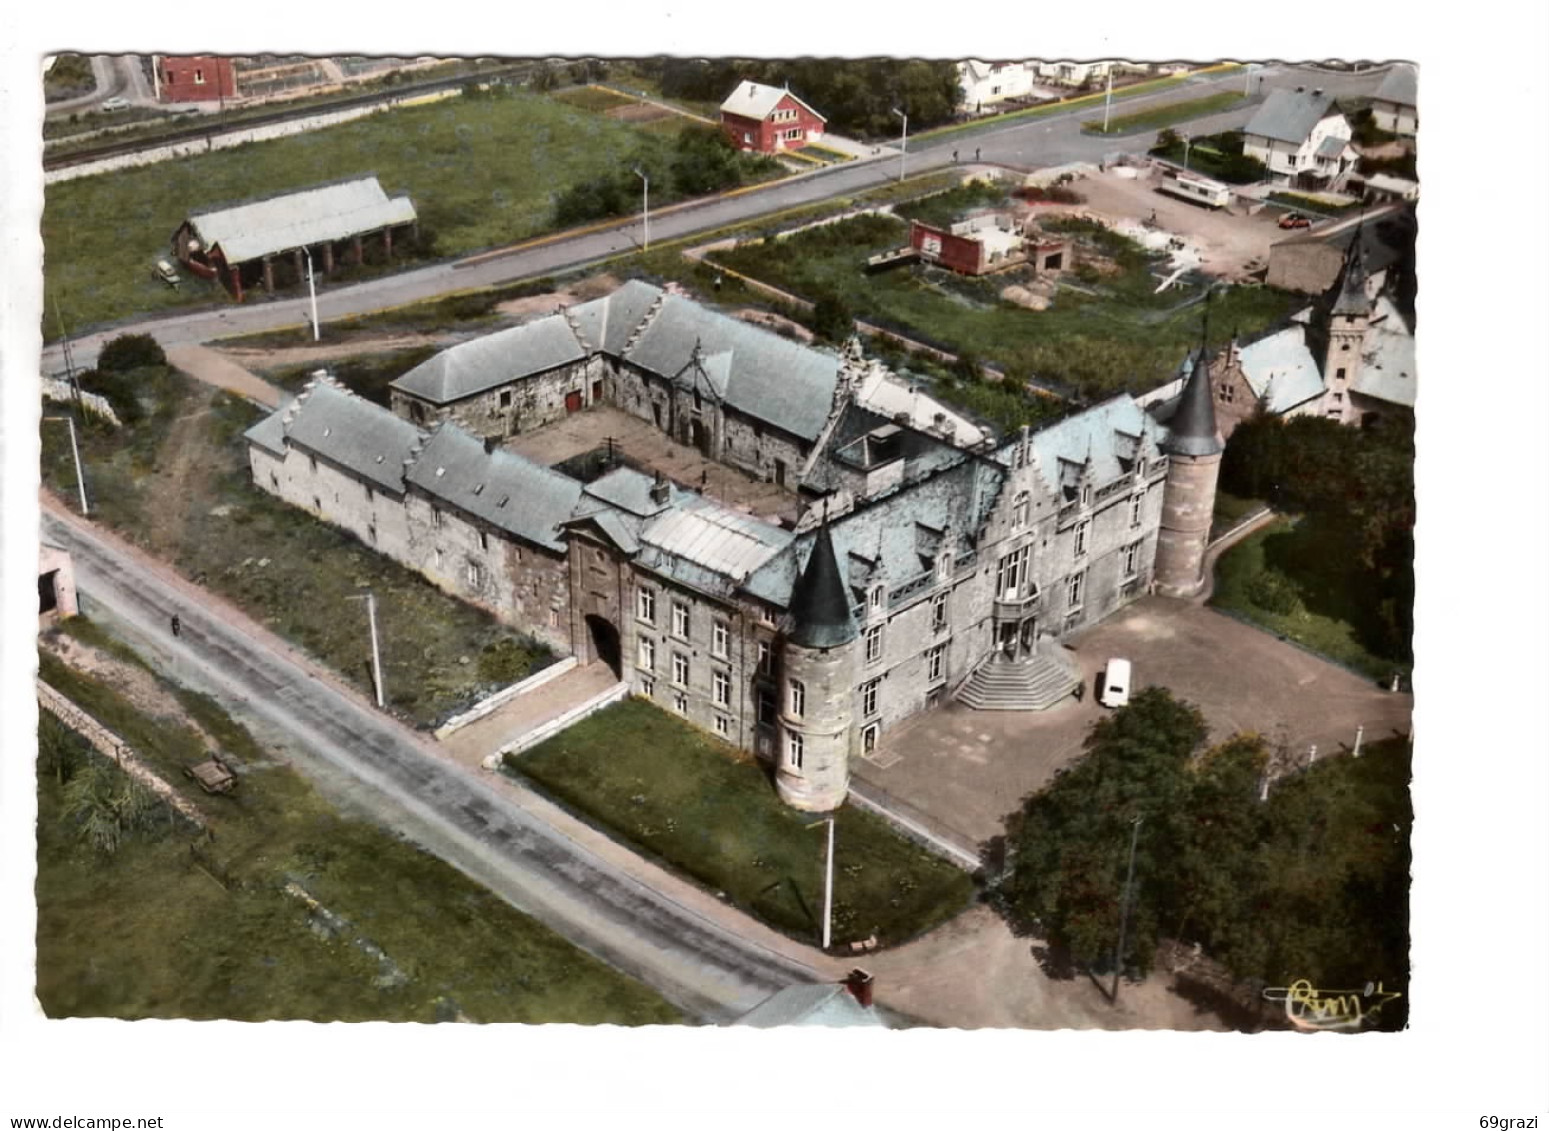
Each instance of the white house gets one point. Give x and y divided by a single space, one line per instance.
1301 137
987 84
1064 72
1393 106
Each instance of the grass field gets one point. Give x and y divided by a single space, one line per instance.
217 936
592 98
1166 115
1319 593
707 811
178 485
481 172
1124 337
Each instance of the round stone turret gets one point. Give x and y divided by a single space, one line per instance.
1193 446
817 686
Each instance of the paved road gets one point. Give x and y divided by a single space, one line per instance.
1054 140
710 969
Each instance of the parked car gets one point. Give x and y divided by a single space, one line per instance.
166 273
1295 220
1115 691
112 104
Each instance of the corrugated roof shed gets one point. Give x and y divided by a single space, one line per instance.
504 489
1398 85
473 367
1289 115
362 437
299 219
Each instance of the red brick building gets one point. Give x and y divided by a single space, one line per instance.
767 119
988 242
194 78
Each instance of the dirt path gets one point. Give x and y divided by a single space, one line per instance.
185 452
206 365
134 683
265 358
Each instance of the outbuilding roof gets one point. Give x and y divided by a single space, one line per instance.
1387 370
300 219
504 489
1289 115
473 367
755 100
361 437
1398 85
703 532
830 1005
1282 368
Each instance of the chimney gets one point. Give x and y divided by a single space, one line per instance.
859 983
659 490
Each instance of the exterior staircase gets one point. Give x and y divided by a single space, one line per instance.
1031 683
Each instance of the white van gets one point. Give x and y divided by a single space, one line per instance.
1115 691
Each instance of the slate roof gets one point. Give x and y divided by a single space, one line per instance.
885 395
783 383
1387 370
298 219
820 605
701 532
1191 427
506 490
364 438
475 366
1398 85
630 490
1282 364
1105 432
830 1005
755 100
1289 116
606 323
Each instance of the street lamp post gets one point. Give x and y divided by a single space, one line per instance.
903 144
376 652
645 212
1118 952
1188 141
317 332
828 888
75 450
1108 101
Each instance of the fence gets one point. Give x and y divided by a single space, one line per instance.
109 745
62 392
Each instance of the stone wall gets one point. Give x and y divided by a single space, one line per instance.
334 495
1187 509
518 406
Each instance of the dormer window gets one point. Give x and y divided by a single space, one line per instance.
1086 494
1019 510
878 596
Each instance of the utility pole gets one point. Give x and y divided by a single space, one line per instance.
645 209
828 888
1108 101
1118 953
903 144
317 331
75 450
376 652
1360 732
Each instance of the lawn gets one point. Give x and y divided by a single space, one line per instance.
206 930
1121 337
592 98
481 172
1297 578
705 810
1229 511
1166 115
178 484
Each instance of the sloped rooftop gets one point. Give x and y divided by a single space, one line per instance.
1398 85
300 219
1289 115
473 367
756 100
364 438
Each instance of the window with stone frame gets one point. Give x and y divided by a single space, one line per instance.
798 699
1083 531
765 658
1019 510
720 638
1011 575
936 664
721 686
1073 588
1131 560
767 715
680 703
680 619
1136 504
793 749
645 605
873 644
938 612
869 698
722 726
878 597
475 575
680 669
647 657
647 687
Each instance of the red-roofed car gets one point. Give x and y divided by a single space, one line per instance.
1295 220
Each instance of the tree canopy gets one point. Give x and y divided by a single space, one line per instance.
1313 883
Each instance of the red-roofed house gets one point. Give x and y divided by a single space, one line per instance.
767 119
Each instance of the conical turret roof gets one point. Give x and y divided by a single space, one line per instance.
820 606
1352 284
1192 430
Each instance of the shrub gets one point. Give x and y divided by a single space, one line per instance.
130 351
831 318
121 390
1274 592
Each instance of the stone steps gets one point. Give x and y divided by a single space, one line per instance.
1032 684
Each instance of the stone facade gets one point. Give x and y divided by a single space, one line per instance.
537 400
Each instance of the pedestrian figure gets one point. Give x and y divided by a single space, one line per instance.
954 157
976 153
177 625
1081 691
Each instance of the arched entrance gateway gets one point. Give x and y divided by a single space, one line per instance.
605 643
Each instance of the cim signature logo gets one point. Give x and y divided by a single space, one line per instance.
1337 1010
